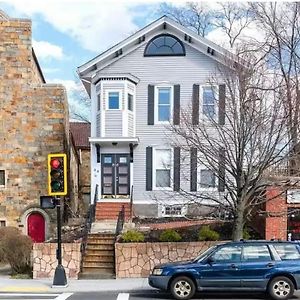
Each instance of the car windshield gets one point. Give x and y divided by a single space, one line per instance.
205 254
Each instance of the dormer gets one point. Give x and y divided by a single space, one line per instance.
115 105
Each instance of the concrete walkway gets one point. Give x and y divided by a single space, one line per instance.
45 285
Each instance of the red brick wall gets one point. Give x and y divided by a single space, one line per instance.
276 219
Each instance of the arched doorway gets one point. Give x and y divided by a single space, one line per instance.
36 227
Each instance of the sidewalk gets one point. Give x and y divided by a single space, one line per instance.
45 285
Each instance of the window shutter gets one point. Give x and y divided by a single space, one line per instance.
222 104
176 103
193 170
221 186
176 169
195 105
150 104
149 164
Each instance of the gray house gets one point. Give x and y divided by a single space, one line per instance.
137 88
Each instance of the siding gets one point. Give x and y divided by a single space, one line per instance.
130 124
184 70
113 123
98 125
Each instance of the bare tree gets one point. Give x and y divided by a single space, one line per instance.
281 24
239 144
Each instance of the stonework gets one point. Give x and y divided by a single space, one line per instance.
138 259
33 123
45 262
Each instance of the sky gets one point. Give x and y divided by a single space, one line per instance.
68 33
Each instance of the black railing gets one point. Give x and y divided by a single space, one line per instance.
90 219
131 204
121 220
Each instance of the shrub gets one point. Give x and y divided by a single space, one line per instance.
170 235
207 234
15 249
133 236
246 234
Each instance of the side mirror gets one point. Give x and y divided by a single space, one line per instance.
210 260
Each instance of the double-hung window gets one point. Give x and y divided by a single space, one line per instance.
162 168
130 102
209 102
113 100
207 179
163 104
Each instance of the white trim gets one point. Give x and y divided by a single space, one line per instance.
95 140
125 112
156 89
107 91
154 187
102 112
201 114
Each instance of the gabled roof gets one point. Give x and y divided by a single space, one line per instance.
88 71
81 133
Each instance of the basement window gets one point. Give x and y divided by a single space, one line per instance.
2 178
173 210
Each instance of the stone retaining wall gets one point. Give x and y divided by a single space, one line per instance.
138 259
44 259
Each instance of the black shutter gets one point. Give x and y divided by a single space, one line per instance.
193 170
221 186
195 105
222 104
98 153
176 169
149 164
176 103
150 104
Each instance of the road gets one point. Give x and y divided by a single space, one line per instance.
136 295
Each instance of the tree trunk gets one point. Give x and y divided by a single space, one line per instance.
238 225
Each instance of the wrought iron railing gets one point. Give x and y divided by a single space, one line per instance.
120 221
90 219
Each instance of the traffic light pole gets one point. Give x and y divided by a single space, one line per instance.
60 279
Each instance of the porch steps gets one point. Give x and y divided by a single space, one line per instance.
99 259
110 210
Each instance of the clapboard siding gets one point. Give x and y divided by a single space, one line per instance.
113 123
98 125
183 70
130 124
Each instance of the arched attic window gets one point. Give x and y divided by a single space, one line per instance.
165 45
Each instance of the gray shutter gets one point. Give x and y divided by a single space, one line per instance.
221 185
149 165
222 104
195 105
193 170
176 169
176 103
150 104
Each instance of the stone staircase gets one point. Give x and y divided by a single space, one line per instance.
99 259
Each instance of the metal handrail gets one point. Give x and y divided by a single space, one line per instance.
120 221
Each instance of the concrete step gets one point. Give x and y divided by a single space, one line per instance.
92 236
91 275
99 258
100 242
98 265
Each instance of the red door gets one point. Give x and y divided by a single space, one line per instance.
36 227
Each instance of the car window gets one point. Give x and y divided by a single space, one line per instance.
287 251
227 254
256 253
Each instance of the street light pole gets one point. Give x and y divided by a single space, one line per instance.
60 279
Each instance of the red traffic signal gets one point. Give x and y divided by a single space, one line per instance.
57 174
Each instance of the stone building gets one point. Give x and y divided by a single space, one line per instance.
80 133
33 123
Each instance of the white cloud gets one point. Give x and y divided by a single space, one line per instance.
46 50
94 24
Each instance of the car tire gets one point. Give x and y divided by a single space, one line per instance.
281 288
182 288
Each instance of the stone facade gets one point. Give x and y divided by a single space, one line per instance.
138 259
44 260
33 123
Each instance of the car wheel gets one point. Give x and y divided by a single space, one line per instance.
281 288
182 288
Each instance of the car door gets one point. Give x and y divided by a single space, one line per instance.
257 263
222 268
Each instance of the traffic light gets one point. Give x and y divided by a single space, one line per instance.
57 174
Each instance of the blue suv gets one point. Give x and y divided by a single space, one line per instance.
266 266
